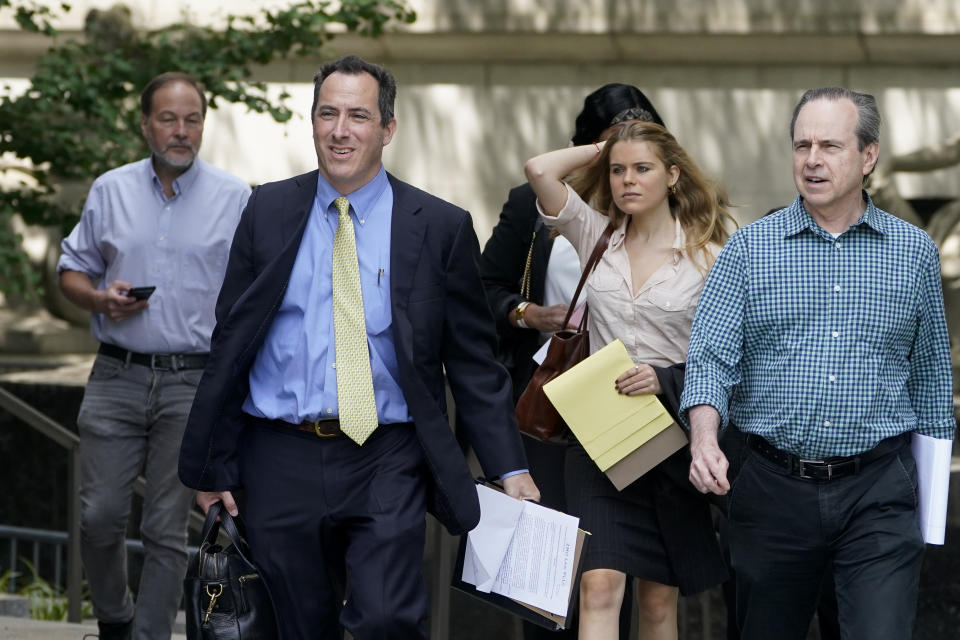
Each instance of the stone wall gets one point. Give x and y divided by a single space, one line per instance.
483 86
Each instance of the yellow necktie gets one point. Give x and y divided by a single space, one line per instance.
358 407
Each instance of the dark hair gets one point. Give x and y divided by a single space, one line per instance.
868 116
352 65
601 108
146 97
698 203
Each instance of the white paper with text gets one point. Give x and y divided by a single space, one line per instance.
523 551
538 567
488 542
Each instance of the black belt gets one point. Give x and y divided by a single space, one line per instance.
829 468
169 361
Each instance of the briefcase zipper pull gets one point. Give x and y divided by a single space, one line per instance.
243 580
213 599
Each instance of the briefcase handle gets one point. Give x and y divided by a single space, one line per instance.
217 516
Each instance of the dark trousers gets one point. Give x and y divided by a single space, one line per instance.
324 512
785 531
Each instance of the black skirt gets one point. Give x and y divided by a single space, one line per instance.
654 529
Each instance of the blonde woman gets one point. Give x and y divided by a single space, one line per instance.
669 226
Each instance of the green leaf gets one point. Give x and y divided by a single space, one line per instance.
80 115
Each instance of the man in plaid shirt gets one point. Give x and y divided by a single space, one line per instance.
821 335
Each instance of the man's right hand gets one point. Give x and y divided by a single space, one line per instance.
206 498
114 303
708 468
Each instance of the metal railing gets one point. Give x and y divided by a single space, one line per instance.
70 442
58 540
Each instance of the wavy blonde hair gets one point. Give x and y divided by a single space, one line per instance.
698 203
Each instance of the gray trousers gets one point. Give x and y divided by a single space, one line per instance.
131 421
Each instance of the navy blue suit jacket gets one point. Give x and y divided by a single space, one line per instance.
441 323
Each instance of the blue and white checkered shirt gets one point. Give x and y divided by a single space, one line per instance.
824 345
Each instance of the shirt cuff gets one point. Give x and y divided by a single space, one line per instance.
688 401
942 429
514 473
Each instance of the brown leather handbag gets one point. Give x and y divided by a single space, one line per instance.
535 413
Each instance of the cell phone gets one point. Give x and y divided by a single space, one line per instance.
140 293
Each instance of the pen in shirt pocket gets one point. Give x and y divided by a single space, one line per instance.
379 274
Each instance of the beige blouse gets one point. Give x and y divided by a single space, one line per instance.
655 324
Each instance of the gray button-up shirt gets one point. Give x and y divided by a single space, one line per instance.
130 231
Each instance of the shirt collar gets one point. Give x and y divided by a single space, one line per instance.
362 200
181 183
797 218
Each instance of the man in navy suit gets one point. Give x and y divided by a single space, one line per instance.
319 506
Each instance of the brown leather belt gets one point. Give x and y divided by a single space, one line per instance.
320 428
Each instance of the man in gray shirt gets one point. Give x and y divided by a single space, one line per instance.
162 223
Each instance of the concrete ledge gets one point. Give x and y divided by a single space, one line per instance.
27 629
14 606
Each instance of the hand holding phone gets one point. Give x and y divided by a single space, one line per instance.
140 293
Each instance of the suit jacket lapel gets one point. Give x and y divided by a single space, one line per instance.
407 230
292 217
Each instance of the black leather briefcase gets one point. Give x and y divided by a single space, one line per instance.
225 596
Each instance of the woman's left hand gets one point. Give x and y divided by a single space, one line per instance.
638 380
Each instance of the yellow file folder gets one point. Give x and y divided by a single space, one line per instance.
625 435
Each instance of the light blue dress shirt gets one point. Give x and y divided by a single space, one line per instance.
824 345
294 376
131 231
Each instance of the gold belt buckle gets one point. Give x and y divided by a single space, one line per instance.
316 430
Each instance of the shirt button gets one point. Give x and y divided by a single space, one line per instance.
329 410
836 245
826 423
832 378
836 287
333 366
666 304
835 334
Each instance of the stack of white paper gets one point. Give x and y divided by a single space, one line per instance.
523 551
933 457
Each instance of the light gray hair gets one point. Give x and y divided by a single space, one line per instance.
868 122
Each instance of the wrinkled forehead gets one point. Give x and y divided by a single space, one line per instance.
826 119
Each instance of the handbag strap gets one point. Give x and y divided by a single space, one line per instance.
602 242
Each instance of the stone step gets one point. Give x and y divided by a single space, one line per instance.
12 628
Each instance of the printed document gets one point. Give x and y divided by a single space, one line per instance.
523 551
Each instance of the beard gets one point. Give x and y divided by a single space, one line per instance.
176 161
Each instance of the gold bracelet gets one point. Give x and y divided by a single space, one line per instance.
520 308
